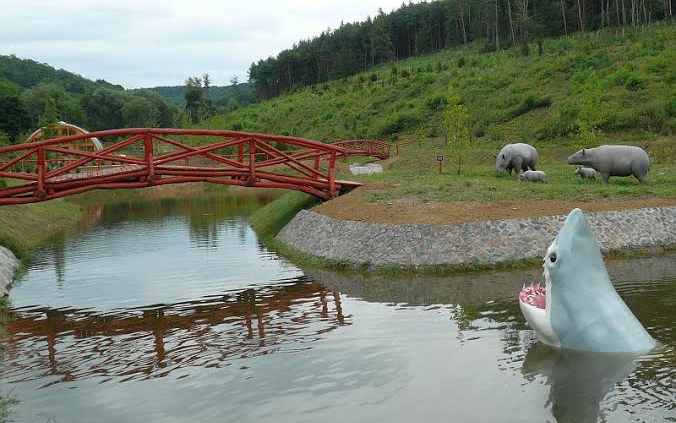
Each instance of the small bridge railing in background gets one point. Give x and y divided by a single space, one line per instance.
371 148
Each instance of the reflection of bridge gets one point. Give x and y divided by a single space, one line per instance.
154 341
142 157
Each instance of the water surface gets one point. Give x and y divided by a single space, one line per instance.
171 311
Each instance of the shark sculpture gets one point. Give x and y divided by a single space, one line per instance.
578 308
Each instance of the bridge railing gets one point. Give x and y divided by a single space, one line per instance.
140 157
371 148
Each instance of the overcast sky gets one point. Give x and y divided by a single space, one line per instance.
140 43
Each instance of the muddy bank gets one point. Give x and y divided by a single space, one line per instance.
487 242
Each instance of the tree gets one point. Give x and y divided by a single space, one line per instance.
141 113
194 98
236 94
381 44
206 84
166 110
67 107
233 104
103 109
48 119
14 117
456 119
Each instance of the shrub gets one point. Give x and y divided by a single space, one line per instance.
461 61
436 102
635 83
394 71
405 74
531 102
373 77
399 122
486 47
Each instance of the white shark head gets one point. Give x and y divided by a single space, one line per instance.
579 309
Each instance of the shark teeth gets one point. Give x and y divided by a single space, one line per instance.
534 295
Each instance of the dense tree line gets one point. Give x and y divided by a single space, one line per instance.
426 27
198 98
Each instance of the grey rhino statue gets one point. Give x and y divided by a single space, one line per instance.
614 160
586 173
519 156
533 176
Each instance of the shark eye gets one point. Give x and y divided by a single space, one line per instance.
552 257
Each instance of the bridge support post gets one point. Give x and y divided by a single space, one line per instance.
332 175
148 149
316 165
252 162
40 191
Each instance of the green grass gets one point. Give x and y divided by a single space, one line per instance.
415 175
271 218
508 96
24 227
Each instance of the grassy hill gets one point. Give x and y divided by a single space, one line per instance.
17 74
619 84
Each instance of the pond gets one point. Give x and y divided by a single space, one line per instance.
172 311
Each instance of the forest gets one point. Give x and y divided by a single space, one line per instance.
32 93
417 29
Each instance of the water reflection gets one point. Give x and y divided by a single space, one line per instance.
65 345
165 308
483 303
578 382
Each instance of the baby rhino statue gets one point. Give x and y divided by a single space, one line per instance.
533 176
517 156
614 160
586 172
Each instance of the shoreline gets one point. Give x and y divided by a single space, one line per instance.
466 245
9 264
29 225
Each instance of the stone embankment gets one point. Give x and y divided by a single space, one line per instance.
8 265
463 243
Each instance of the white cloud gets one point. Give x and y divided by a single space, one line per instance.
148 43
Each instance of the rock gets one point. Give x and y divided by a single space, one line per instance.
365 169
8 265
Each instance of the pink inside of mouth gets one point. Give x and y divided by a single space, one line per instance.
535 295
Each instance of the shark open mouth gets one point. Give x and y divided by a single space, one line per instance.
534 295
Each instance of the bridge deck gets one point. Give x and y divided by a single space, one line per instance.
121 170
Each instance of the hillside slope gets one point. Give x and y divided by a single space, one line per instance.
27 73
616 83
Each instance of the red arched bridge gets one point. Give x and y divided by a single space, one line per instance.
142 157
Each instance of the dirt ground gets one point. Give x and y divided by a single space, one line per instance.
415 211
